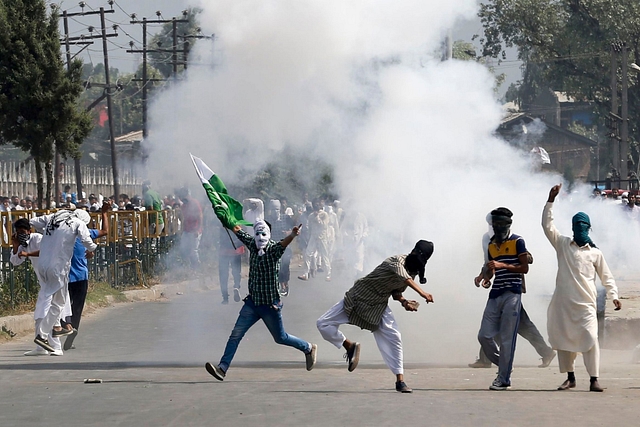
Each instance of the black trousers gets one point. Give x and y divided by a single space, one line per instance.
77 294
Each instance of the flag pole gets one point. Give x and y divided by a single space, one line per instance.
229 234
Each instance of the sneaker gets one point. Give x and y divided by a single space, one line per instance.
479 364
56 353
353 356
311 357
499 386
546 361
402 387
38 351
236 294
225 301
283 289
216 371
43 343
68 342
303 277
62 332
328 278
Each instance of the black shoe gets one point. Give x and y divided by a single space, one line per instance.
310 357
236 294
402 387
216 371
62 332
43 343
68 343
566 385
595 386
353 356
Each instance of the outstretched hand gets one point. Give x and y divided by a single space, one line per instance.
553 193
296 230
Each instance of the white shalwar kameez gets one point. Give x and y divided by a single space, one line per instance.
572 322
59 232
43 302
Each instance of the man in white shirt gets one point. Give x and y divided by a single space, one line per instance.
571 319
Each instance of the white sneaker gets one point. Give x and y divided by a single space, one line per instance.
38 351
56 353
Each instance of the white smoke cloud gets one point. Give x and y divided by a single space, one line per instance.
410 138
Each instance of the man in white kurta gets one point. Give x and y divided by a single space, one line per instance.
572 322
59 233
25 244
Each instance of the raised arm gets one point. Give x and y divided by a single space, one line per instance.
548 226
295 231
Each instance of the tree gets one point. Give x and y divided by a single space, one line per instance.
565 45
38 97
466 51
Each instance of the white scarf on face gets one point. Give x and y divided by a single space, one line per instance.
262 235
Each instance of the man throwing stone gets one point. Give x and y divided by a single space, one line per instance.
366 305
572 321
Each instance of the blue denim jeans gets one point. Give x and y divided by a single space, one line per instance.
501 317
271 315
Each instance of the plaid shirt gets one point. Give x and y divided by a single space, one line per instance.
263 270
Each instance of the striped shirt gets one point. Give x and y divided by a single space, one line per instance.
508 253
367 300
263 270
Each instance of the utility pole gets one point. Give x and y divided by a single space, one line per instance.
145 78
624 131
114 157
86 41
613 115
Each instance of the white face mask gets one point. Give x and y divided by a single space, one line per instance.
262 236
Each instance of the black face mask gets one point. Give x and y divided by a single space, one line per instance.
23 238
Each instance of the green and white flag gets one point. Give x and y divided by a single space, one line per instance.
227 209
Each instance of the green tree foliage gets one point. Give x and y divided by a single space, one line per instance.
38 96
565 45
466 51
163 61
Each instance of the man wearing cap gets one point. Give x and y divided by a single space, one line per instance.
263 301
59 233
508 262
572 315
366 305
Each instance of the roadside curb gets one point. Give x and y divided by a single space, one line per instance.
22 323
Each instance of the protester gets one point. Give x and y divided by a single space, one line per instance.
26 245
230 251
572 316
79 277
507 264
263 301
366 305
59 233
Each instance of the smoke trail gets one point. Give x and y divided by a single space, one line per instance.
410 138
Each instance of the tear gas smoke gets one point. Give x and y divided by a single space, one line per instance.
410 139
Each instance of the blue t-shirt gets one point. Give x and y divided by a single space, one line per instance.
508 253
79 270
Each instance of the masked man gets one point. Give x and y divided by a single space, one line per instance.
263 301
59 233
508 261
26 245
571 319
366 305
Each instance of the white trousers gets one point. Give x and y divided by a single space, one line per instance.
567 361
52 317
387 335
317 248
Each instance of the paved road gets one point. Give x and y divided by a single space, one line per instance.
151 357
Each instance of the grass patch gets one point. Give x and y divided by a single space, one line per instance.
103 294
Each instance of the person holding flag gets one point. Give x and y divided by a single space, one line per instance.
263 301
